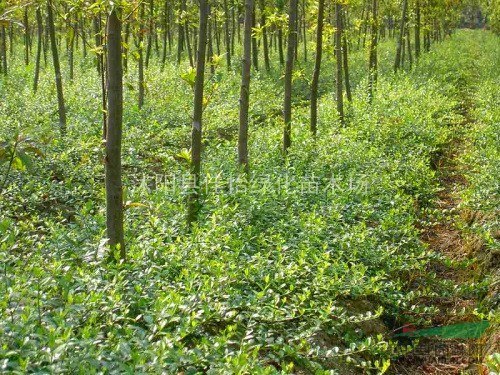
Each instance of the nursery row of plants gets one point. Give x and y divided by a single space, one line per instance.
306 257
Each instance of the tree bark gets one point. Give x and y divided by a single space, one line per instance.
96 22
210 49
227 36
114 190
408 43
180 31
72 30
140 64
397 63
3 50
188 45
417 29
193 197
166 27
216 33
39 48
290 54
338 54
26 37
125 47
233 29
150 32
84 36
304 28
280 46
57 69
265 43
317 67
255 48
245 86
373 62
345 60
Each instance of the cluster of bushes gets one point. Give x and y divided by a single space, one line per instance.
308 267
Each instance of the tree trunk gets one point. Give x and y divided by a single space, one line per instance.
114 191
150 32
245 86
373 68
45 44
210 49
188 45
96 21
57 68
297 33
317 67
216 33
26 37
290 53
410 58
345 60
362 18
233 29
338 54
11 40
125 47
255 48
280 46
180 30
304 29
417 29
101 69
193 197
84 37
3 50
365 25
397 63
265 44
140 64
71 49
227 36
39 48
166 27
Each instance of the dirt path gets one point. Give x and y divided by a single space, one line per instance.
446 237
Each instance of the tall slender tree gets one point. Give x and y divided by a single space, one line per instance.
373 60
255 46
140 57
150 32
265 43
26 36
317 67
57 68
345 59
245 85
227 35
114 190
402 26
290 55
3 49
196 131
417 29
39 23
338 56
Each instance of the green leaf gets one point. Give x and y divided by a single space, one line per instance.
26 160
189 77
17 164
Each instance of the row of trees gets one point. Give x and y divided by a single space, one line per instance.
248 32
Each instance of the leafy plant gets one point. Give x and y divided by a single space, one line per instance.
17 154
